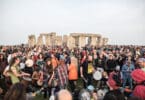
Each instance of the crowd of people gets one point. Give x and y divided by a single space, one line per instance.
104 73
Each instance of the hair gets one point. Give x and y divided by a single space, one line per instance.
12 61
49 67
114 95
41 55
64 95
16 92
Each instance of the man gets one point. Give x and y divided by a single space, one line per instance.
141 62
126 72
111 63
62 73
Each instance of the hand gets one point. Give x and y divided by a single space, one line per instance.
25 74
82 75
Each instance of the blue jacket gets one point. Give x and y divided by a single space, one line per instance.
126 70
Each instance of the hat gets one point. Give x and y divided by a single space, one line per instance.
141 59
117 68
29 63
138 75
90 88
139 92
62 57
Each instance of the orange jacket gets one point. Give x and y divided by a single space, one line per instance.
73 73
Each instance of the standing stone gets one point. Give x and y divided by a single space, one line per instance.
40 40
31 40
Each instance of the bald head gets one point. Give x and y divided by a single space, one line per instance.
64 95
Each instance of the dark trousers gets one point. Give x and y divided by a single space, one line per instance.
88 80
72 84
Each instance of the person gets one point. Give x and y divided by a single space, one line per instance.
111 63
62 73
84 95
13 54
49 76
16 92
28 66
64 95
67 58
126 72
138 76
54 61
72 74
86 71
114 92
141 62
35 77
3 63
40 61
14 71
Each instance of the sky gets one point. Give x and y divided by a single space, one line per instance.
122 21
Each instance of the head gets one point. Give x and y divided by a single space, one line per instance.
90 58
15 60
1 56
117 68
40 56
16 92
138 76
14 53
141 62
128 62
62 59
29 62
48 61
64 95
84 95
111 56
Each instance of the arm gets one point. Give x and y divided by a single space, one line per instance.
50 80
34 76
81 71
5 72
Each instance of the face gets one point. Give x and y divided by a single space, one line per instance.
1 56
141 63
48 62
17 60
111 56
128 63
52 56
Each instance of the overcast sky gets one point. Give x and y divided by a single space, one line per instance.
122 21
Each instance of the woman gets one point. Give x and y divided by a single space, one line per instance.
14 70
49 76
40 61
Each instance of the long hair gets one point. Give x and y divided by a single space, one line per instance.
12 62
16 92
49 68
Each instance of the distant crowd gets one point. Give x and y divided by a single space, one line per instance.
109 72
